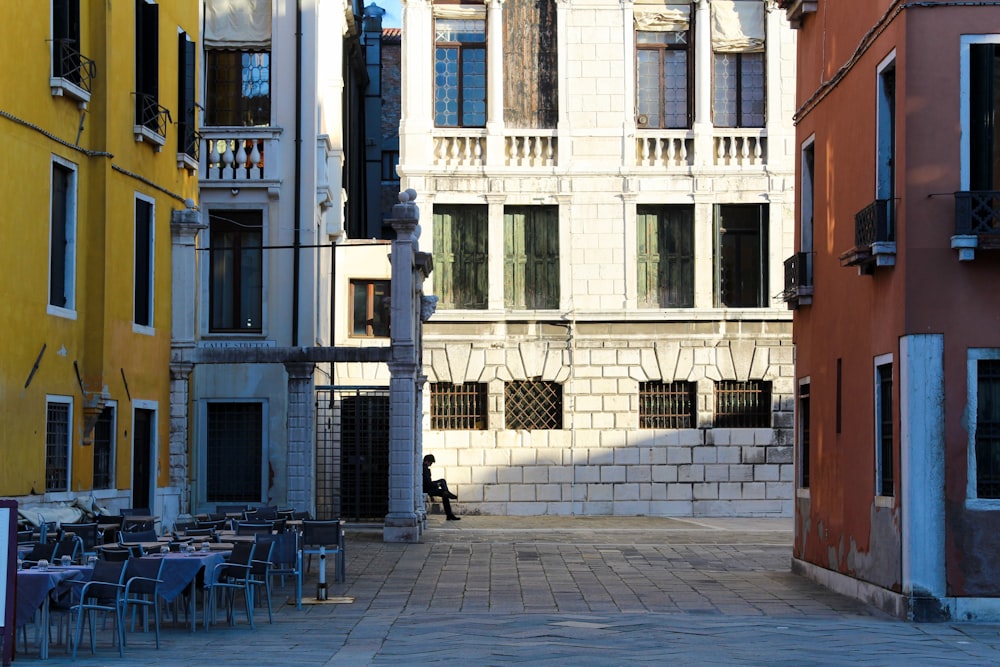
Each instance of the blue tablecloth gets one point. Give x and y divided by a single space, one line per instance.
34 585
180 569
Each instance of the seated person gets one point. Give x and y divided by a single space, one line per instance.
438 488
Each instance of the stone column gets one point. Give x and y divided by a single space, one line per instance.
301 429
402 524
180 459
702 84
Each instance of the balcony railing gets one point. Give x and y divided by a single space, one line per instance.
798 280
530 148
239 156
874 237
977 222
740 148
72 72
151 120
460 148
666 149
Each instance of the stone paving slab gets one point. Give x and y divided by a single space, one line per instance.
569 591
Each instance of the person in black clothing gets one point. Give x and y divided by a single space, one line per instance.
438 488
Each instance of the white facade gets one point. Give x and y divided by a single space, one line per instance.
600 170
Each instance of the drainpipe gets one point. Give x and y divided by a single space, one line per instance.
297 240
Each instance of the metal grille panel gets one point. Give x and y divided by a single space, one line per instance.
458 407
533 405
741 404
57 447
234 455
988 429
667 405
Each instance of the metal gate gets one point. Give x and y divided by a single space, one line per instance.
352 453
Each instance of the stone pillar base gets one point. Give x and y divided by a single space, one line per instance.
402 528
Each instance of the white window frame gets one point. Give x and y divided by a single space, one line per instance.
64 494
205 273
975 354
800 490
114 450
150 329
881 500
154 446
72 196
965 151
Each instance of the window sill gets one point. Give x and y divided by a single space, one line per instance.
144 134
143 329
185 161
803 493
885 501
64 88
982 504
56 311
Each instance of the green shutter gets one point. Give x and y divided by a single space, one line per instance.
647 257
514 257
444 259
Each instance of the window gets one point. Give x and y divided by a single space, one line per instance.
883 427
238 88
459 72
668 405
104 449
885 150
234 452
370 308
806 198
458 407
58 442
986 459
984 101
804 428
461 256
72 72
665 256
738 69
236 286
530 64
742 404
143 262
663 79
150 118
531 257
390 162
62 237
533 405
187 141
741 278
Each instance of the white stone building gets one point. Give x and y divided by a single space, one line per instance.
606 187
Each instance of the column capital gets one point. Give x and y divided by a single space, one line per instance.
299 370
180 370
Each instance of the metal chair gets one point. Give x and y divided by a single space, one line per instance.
287 561
247 528
260 569
142 588
230 578
102 594
89 536
329 535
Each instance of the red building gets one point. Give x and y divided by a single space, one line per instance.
896 291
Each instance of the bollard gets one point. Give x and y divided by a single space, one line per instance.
321 587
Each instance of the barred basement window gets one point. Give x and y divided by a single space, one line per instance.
742 404
58 441
533 405
458 407
988 429
667 405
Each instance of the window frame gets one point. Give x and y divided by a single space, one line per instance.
461 49
531 267
763 253
974 356
369 285
150 117
238 276
187 133
884 470
461 261
728 419
241 110
516 416
144 267
469 406
111 406
668 392
668 217
965 106
203 463
50 455
69 238
661 50
74 81
803 427
741 122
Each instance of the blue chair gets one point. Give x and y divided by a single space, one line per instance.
326 534
102 594
142 589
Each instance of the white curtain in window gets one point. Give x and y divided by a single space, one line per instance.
737 26
662 18
459 12
238 24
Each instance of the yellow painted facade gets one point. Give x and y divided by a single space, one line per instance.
90 352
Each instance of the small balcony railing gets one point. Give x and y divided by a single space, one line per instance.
239 156
874 237
151 120
665 149
72 72
977 222
798 280
740 148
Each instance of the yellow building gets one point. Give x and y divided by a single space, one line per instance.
97 120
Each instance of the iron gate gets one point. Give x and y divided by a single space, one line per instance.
352 453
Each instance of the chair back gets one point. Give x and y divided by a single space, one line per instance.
261 513
106 572
87 532
263 555
181 526
317 533
132 525
68 545
219 524
278 525
286 513
137 536
25 536
245 528
241 555
116 554
41 551
286 549
135 511
230 509
141 575
302 516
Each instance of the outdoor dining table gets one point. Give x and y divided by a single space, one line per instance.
181 569
37 588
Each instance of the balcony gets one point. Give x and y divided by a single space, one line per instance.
874 238
977 222
237 157
151 121
664 149
739 148
72 72
798 281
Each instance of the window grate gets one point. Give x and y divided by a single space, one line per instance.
741 404
885 430
460 407
804 428
533 405
234 453
57 429
988 429
667 405
104 440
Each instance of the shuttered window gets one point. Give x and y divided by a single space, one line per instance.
665 256
742 250
531 257
186 138
461 256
